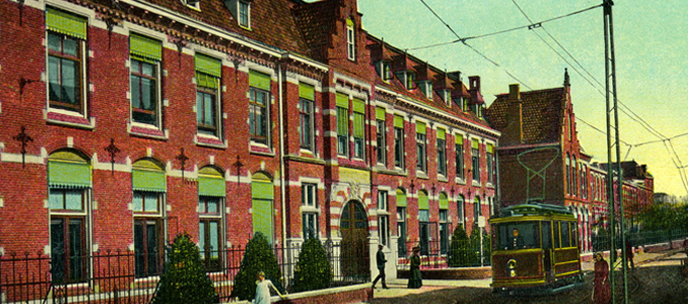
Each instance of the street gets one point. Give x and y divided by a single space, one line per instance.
655 280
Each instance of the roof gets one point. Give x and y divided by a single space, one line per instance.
542 112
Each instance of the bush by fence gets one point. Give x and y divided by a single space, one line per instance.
313 270
258 257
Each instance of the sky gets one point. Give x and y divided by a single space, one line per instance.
651 50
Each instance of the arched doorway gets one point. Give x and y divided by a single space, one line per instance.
355 260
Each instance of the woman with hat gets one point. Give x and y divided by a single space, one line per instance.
601 293
415 278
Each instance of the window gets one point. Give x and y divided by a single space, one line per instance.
398 141
401 222
66 60
476 209
245 14
441 152
382 68
568 174
383 218
381 136
475 155
146 54
359 128
421 147
259 107
426 88
69 181
584 190
424 234
262 205
306 116
461 102
350 40
149 184
446 96
574 177
342 124
459 156
309 209
460 209
490 164
208 74
211 196
194 4
444 232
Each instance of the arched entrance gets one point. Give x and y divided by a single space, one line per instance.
355 259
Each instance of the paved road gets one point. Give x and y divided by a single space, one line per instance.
656 279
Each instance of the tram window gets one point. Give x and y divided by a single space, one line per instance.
574 234
546 235
557 243
565 236
519 235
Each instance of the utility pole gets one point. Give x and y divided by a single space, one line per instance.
612 167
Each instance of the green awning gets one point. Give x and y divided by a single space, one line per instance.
262 190
423 201
490 148
211 186
444 201
145 47
306 91
401 198
208 65
459 139
420 127
359 105
206 81
441 134
145 180
398 121
359 125
65 23
259 80
380 113
342 121
69 175
475 144
342 101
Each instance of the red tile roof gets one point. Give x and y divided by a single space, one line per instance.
542 112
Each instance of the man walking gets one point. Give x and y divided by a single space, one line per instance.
380 257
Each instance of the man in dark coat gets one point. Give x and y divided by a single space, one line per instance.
380 257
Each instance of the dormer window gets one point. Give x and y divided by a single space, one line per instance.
244 14
382 68
461 102
407 78
194 4
426 88
350 40
446 96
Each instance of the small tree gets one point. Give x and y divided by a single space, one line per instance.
257 257
313 269
184 279
460 253
475 246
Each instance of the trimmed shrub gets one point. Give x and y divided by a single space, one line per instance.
313 270
460 252
257 257
475 246
184 279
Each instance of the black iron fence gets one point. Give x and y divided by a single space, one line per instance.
602 240
456 253
110 276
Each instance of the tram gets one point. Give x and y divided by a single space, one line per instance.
535 249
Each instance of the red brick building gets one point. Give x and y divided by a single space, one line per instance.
124 123
541 159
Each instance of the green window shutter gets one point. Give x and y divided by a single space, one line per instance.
211 186
144 180
306 91
401 198
349 22
380 113
342 101
206 81
490 148
459 139
208 65
420 127
441 134
65 23
69 175
444 201
398 121
145 47
359 125
359 105
475 144
261 211
342 121
262 190
423 201
259 80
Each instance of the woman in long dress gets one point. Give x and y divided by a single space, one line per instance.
263 290
416 278
602 292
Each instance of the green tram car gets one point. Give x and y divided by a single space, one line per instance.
535 249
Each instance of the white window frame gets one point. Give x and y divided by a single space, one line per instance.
310 210
350 41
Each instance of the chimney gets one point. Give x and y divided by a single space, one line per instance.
516 112
474 83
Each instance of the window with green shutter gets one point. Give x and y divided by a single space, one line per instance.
208 75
